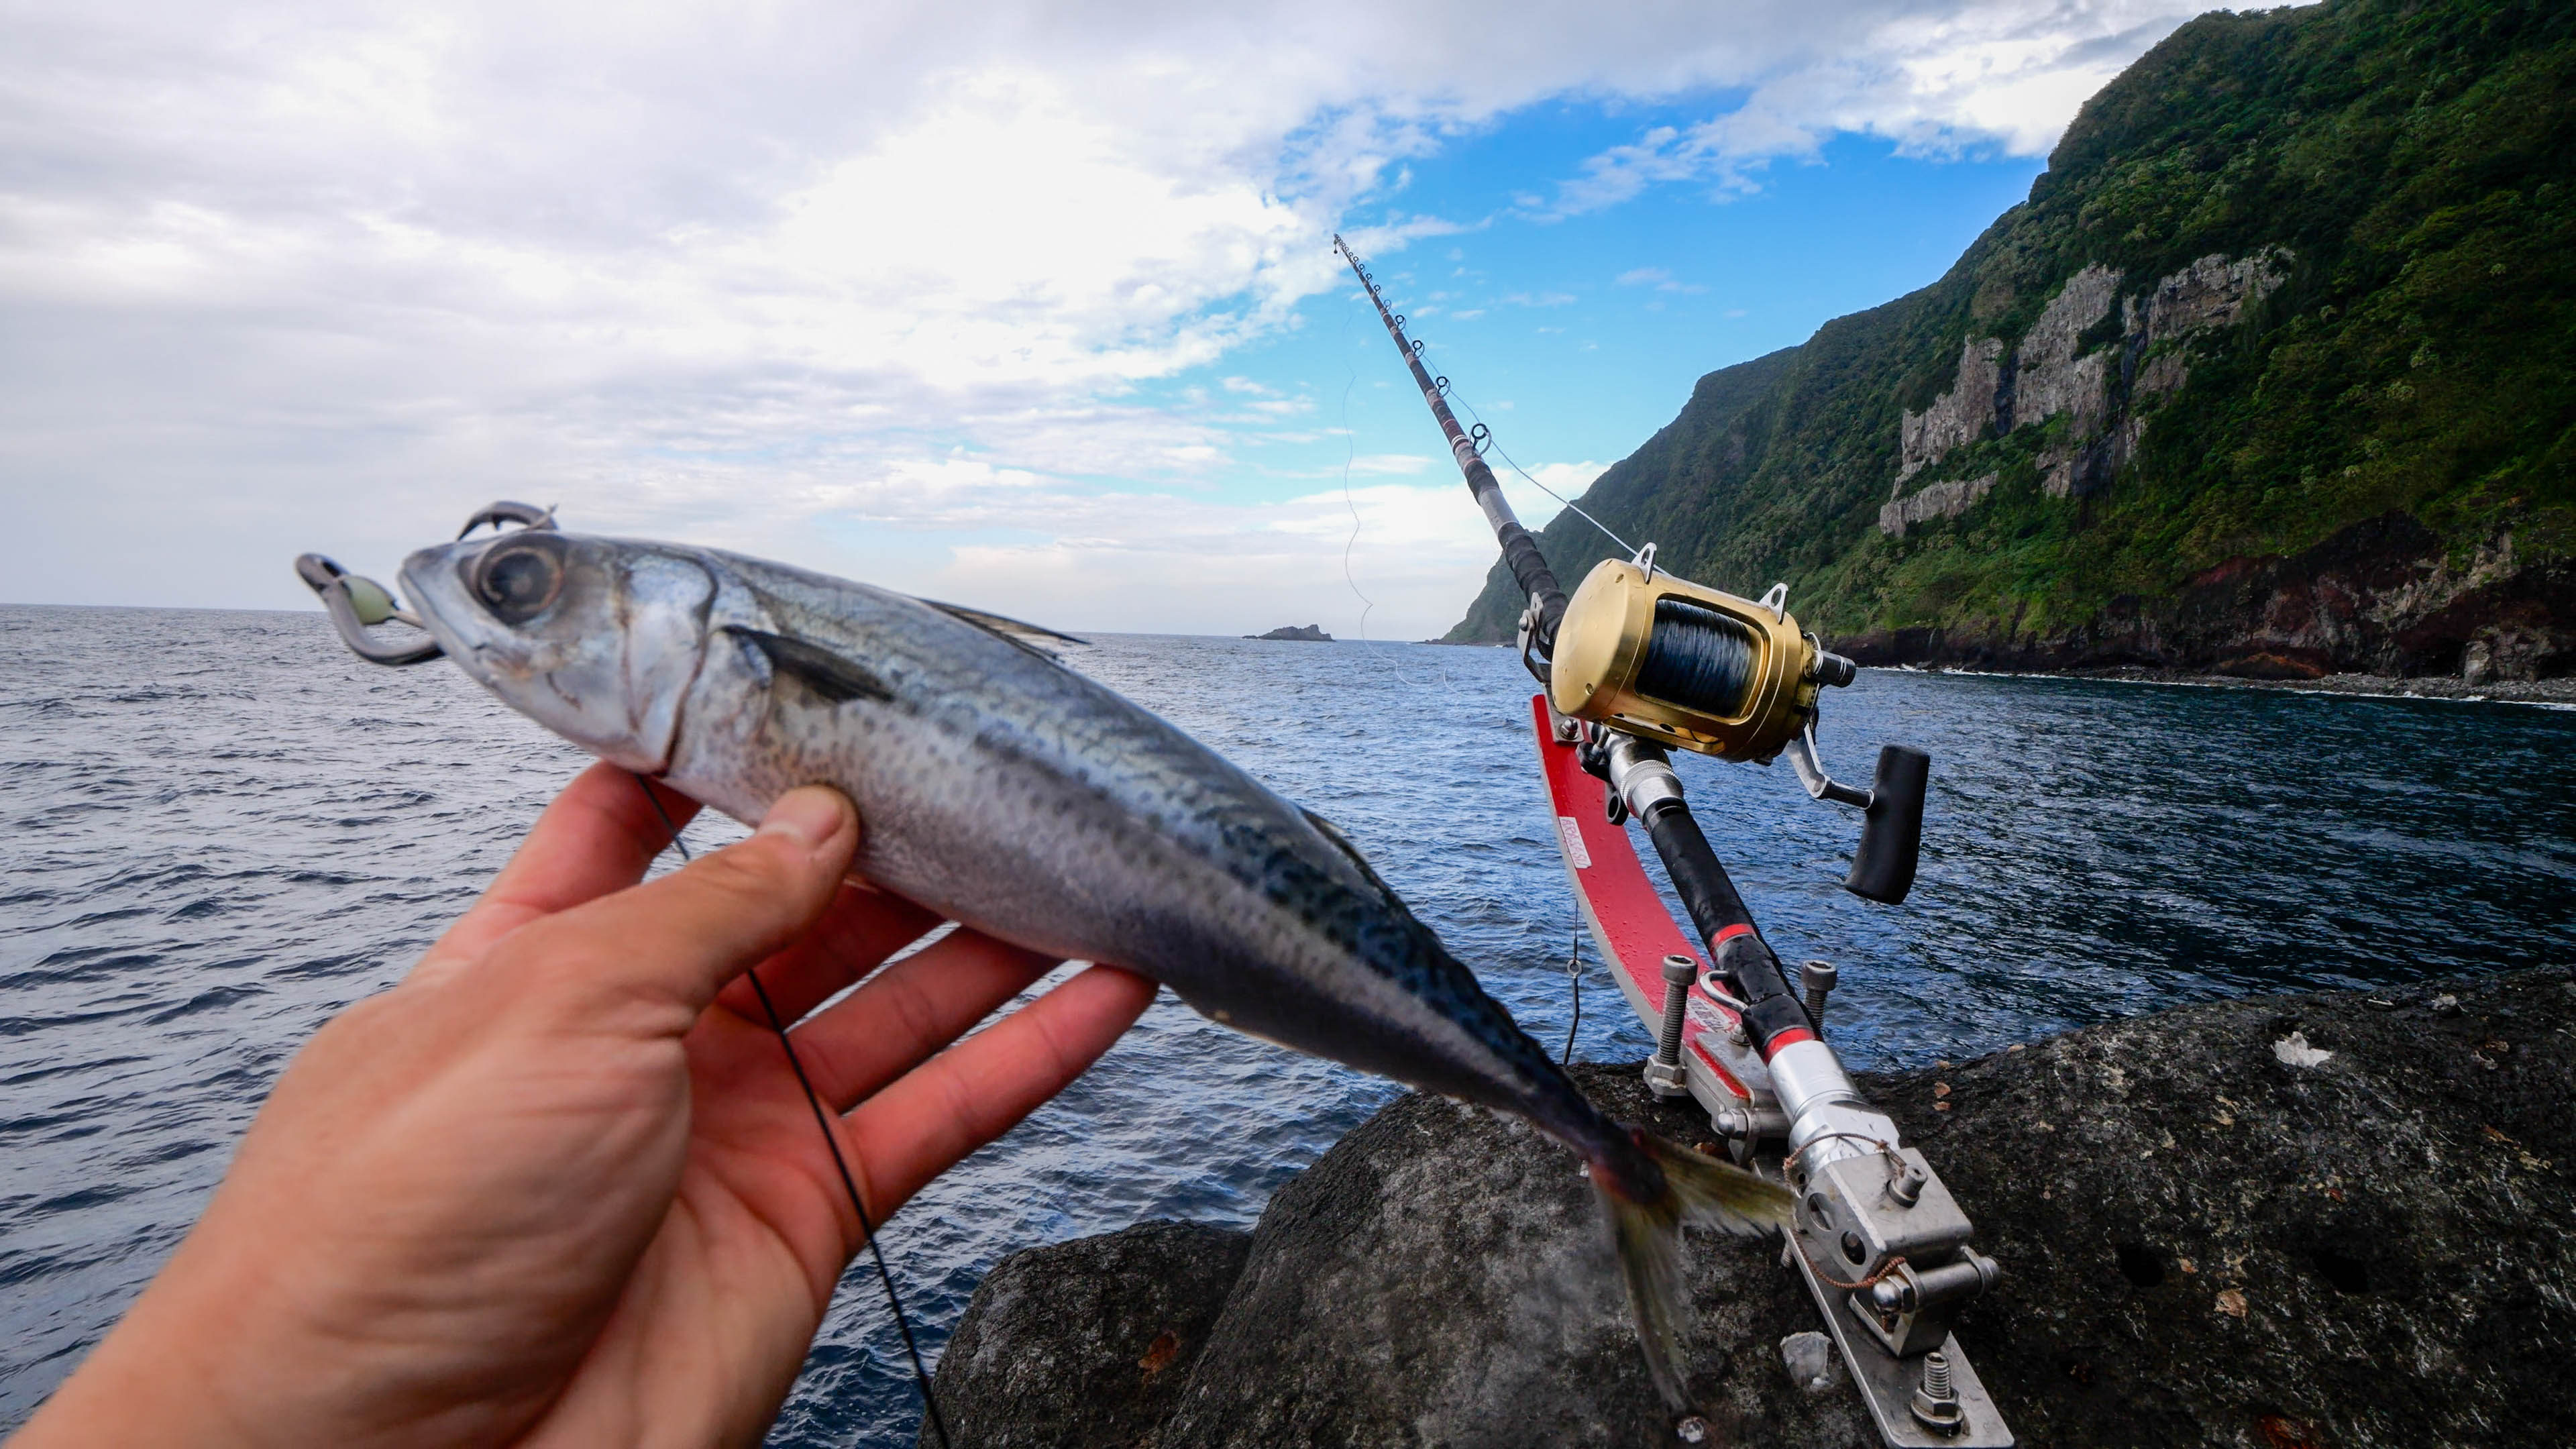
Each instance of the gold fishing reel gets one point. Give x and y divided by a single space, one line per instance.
1646 653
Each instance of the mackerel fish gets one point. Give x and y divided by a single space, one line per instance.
1021 798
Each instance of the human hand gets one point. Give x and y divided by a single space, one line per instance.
560 1185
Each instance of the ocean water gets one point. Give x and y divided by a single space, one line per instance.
217 829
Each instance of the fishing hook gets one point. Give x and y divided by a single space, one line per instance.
354 602
526 515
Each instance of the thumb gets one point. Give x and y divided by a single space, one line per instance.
681 938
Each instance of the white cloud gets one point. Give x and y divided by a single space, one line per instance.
1387 464
1555 483
1657 278
1937 79
1126 563
811 279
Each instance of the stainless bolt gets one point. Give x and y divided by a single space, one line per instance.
1890 1296
1679 973
1664 1074
1906 1185
1819 977
1936 1404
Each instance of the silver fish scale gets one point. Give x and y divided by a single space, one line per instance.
1004 788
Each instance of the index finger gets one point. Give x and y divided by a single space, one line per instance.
597 837
676 941
930 1118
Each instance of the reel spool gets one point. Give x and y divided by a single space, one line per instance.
1653 655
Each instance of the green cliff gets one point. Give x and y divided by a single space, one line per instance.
2274 372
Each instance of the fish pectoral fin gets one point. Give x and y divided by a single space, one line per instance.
1009 630
833 676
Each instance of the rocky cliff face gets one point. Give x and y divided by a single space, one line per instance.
2298 285
2317 1220
2105 393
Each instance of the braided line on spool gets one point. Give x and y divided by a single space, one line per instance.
1697 658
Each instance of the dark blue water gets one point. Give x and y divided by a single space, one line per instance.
216 829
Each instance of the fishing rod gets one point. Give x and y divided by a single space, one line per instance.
1520 549
1639 661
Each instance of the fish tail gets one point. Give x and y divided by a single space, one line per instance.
1649 1199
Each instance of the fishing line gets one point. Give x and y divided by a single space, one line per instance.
1350 456
1698 655
1496 445
831 1140
1574 982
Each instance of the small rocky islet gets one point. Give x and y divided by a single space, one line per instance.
2329 1219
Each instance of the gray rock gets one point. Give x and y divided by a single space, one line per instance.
1297 633
2202 1245
1085 1343
1809 1357
1441 1276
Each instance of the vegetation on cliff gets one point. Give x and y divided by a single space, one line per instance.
2290 273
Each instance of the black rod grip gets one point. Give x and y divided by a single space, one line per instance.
1530 571
1891 839
1700 879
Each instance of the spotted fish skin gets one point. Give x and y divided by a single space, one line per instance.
1017 796
1004 789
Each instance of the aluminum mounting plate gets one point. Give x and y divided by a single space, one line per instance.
1887 1383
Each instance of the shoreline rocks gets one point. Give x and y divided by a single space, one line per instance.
2383 597
2206 1238
2561 690
1297 633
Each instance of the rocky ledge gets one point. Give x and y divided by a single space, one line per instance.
2382 597
2289 1221
1297 633
2561 690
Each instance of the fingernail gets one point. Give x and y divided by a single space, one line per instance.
809 816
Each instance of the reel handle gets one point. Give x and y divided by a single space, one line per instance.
1891 836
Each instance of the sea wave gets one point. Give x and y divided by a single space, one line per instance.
203 864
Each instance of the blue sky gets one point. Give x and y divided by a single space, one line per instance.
1029 305
1577 338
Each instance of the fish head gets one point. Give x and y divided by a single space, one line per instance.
597 639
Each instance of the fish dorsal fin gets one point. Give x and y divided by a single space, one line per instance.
1333 833
833 676
1009 630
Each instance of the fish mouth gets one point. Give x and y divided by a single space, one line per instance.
436 580
598 640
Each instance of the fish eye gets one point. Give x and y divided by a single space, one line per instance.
517 579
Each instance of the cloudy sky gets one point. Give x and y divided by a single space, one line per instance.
1030 306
